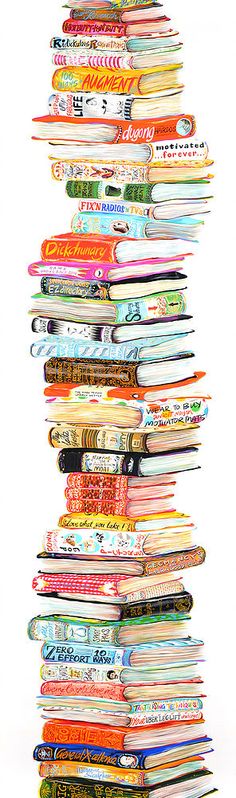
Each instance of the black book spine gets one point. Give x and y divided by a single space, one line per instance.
76 788
178 602
85 289
93 461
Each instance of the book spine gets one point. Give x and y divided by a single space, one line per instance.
81 288
88 104
94 584
93 27
98 42
78 249
76 652
58 788
88 438
111 14
64 346
76 688
167 604
89 190
99 773
102 81
121 172
86 58
84 484
175 562
92 372
102 543
101 522
155 306
89 753
107 500
114 208
105 462
167 705
46 628
112 225
85 673
154 718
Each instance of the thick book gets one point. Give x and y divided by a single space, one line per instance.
73 436
159 305
135 696
84 733
95 587
134 681
78 710
183 227
95 103
114 13
69 246
128 777
114 589
72 460
165 197
104 272
148 758
91 27
76 788
113 58
66 128
121 44
62 553
66 619
162 652
105 493
128 163
157 349
89 371
91 289
74 404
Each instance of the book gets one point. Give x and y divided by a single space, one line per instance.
62 128
137 680
108 249
75 710
148 628
87 5
106 28
121 373
65 558
75 788
168 304
92 289
133 14
148 758
76 624
158 349
113 775
118 692
104 271
70 460
127 106
73 436
74 404
165 195
127 164
83 733
115 590
114 58
164 212
132 44
183 227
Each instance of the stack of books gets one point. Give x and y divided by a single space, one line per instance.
121 696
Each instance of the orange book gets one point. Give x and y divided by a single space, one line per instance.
58 731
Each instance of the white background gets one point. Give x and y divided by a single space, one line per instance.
34 208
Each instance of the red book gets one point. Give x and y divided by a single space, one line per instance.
71 732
